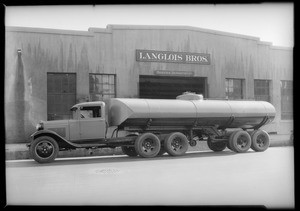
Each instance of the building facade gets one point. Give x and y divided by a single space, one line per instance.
49 70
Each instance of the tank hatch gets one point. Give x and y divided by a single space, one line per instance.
190 96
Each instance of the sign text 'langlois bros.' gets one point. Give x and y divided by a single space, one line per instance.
168 56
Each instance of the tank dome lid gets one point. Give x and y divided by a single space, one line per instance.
190 96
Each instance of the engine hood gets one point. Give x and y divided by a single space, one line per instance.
55 123
58 126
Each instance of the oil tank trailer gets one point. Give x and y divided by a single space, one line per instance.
152 127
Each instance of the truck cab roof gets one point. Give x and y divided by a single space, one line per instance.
94 103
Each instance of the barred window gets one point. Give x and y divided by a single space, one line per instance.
234 88
102 86
262 90
286 100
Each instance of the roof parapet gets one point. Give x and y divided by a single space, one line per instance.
178 27
47 31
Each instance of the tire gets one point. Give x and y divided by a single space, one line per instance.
130 151
228 146
240 141
260 141
216 146
161 151
44 149
229 142
176 144
147 145
251 133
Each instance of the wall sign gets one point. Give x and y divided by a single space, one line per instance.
174 73
175 57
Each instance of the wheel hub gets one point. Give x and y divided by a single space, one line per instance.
176 144
44 149
260 141
148 145
242 142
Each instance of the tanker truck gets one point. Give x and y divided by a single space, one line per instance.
152 127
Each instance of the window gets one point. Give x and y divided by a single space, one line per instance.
102 86
286 100
234 88
90 112
61 95
262 90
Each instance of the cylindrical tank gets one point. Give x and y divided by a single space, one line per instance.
189 110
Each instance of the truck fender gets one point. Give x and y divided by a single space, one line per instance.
62 142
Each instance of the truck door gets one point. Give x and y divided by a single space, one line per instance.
92 122
74 127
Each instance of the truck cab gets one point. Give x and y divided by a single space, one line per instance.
88 122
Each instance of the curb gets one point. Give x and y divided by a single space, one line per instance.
23 153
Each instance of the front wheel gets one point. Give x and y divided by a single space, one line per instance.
44 149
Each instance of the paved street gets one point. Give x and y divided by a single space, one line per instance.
201 178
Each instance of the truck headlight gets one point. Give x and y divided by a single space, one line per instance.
39 126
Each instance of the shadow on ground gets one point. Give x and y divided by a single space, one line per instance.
118 158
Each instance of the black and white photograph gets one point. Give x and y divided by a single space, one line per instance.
149 104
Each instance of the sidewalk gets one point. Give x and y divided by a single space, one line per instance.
20 151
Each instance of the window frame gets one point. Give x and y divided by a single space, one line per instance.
257 97
111 95
55 93
242 85
286 115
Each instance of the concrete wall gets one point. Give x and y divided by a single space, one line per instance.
112 50
231 56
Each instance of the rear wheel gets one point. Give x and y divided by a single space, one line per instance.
229 142
130 151
161 151
147 145
216 146
240 141
176 144
44 149
260 140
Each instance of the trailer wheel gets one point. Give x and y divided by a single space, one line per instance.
147 145
216 146
231 137
44 149
161 151
240 141
251 133
176 144
228 146
260 140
